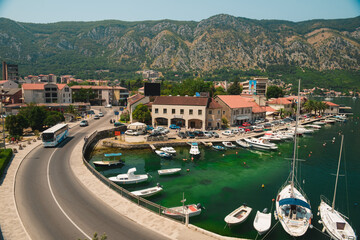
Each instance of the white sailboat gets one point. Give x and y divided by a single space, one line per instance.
333 221
292 207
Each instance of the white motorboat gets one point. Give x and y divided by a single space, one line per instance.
194 150
238 216
169 171
271 136
261 143
302 130
292 207
329 120
218 147
333 221
109 163
322 122
162 154
148 191
129 177
169 150
285 135
243 144
317 127
180 211
228 144
262 221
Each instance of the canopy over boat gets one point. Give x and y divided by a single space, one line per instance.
112 154
294 201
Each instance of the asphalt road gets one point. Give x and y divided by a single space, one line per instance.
53 204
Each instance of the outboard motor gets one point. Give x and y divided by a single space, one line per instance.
158 184
199 206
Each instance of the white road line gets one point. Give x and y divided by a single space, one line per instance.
52 193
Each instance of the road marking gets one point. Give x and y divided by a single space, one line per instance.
52 193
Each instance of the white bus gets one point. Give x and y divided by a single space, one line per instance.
54 135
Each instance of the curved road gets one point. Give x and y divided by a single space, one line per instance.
53 204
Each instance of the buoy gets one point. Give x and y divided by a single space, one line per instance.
273 199
236 152
309 155
305 145
223 155
188 170
310 151
262 185
192 158
324 144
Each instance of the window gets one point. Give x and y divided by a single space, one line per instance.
54 95
199 112
223 112
156 110
164 111
190 112
63 95
173 111
242 111
181 111
67 90
210 111
54 89
219 112
47 95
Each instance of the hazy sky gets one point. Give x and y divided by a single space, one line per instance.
45 11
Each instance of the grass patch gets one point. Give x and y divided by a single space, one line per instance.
5 157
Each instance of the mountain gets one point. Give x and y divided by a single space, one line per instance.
221 41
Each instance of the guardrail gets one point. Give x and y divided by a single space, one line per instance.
90 142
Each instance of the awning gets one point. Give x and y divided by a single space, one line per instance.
294 201
112 154
242 117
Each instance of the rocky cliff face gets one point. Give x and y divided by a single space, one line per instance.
217 42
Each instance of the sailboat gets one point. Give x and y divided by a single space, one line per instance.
333 221
292 206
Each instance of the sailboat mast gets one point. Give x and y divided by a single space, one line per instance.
295 142
337 173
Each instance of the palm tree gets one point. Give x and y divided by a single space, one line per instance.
309 106
323 107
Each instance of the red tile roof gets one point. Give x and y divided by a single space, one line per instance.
33 86
269 109
213 104
280 101
96 87
331 104
181 100
3 81
236 101
135 98
61 86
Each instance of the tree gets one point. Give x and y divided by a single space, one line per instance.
15 124
53 118
235 88
219 91
35 116
309 106
274 92
142 113
225 122
84 95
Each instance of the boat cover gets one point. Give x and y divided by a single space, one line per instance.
194 144
294 201
112 154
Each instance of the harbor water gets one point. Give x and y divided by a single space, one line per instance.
223 180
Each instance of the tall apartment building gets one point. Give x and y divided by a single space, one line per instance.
106 95
257 86
10 72
46 93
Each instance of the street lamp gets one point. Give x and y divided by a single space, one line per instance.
2 115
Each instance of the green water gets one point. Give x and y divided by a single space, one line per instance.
224 180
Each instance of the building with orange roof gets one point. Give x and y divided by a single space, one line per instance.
46 93
133 101
280 103
333 108
238 109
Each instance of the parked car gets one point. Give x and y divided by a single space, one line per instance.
268 125
182 135
173 126
215 135
84 123
118 124
131 132
208 134
108 106
189 134
155 133
235 131
149 128
101 114
96 117
162 130
246 124
227 133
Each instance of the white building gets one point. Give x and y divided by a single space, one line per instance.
46 93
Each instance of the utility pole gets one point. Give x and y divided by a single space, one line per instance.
2 116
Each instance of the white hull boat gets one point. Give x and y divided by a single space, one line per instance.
320 123
333 221
302 130
228 144
109 163
262 221
194 150
162 154
243 144
148 191
218 147
192 210
272 136
261 143
169 150
313 126
330 121
238 216
129 177
169 171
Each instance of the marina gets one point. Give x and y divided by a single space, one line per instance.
254 176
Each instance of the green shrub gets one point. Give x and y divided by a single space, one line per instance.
5 157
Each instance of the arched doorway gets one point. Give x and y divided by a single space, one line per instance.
195 123
161 122
178 122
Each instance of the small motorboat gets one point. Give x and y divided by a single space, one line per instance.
315 126
329 120
271 136
262 221
109 163
218 147
228 144
238 216
163 154
243 144
192 210
320 123
169 150
261 143
168 171
148 191
194 150
129 177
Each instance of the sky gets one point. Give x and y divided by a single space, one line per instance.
47 11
